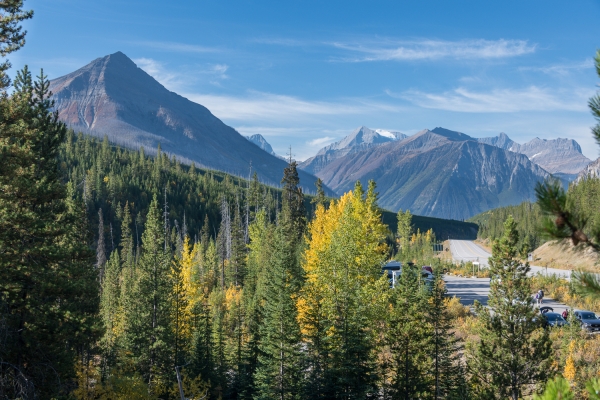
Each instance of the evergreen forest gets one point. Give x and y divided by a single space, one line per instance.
532 223
124 276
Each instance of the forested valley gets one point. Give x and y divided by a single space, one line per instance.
124 276
122 273
532 223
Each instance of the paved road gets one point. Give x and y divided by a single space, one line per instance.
471 289
467 250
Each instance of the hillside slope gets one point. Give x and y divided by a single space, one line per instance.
112 96
439 173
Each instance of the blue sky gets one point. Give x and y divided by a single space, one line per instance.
306 73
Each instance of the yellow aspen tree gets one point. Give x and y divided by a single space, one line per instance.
344 294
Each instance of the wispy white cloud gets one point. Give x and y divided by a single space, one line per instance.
427 49
259 106
321 141
177 81
168 79
562 69
217 72
532 98
178 47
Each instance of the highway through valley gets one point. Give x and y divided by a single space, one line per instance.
470 289
468 250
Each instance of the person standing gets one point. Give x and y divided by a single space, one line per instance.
540 297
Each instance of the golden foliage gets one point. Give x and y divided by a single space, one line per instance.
346 248
455 308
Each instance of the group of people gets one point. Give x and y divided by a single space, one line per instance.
539 297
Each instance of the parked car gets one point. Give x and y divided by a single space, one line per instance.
393 269
588 320
552 319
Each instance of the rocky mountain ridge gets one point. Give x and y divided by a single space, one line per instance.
440 173
592 170
557 156
360 139
111 96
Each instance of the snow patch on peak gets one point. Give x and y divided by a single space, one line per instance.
394 135
385 133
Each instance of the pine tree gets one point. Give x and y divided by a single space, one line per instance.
407 338
293 199
13 37
110 310
514 351
319 199
101 247
237 262
201 357
278 375
565 219
148 324
556 389
447 379
47 300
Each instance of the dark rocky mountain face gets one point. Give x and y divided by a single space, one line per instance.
112 96
361 139
561 157
438 173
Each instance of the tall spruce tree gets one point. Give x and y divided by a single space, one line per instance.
148 333
45 261
446 377
110 310
294 199
278 375
101 247
513 354
407 338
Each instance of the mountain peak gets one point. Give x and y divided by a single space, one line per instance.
557 156
452 135
360 139
112 96
261 142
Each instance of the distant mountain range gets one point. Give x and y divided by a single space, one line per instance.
440 173
111 96
562 157
361 139
592 170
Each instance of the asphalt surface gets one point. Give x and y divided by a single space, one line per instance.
470 289
467 250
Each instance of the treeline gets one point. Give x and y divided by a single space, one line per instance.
288 309
584 199
528 217
580 198
108 177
